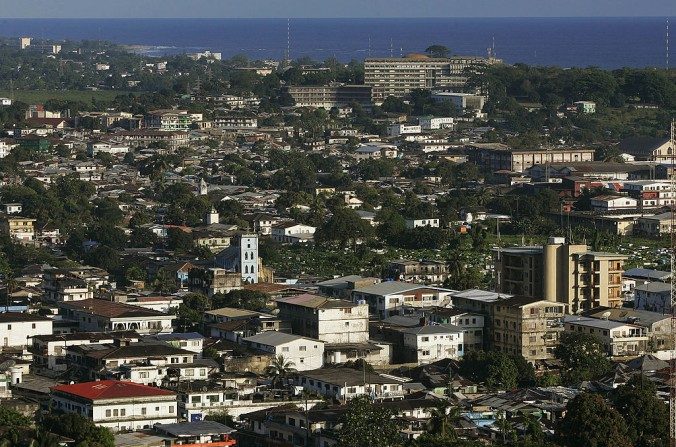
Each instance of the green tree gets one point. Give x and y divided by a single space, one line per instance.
647 416
83 431
222 417
368 425
179 240
344 227
241 299
591 422
279 368
495 369
437 51
583 357
165 282
108 210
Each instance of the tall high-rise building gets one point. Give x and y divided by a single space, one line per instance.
400 76
561 272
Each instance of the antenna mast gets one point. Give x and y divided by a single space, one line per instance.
672 363
288 39
667 42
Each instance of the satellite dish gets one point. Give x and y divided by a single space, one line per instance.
4 366
606 315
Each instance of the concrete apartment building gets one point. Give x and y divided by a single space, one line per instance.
561 272
399 76
328 97
499 157
516 325
326 319
527 326
171 120
119 406
20 228
650 193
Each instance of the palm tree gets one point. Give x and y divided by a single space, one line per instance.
443 419
279 368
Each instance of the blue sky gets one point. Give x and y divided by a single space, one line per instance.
334 8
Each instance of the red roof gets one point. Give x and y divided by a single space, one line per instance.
111 389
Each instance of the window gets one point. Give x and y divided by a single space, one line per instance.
143 411
33 325
9 327
143 375
108 413
302 348
116 412
171 409
285 349
123 412
425 339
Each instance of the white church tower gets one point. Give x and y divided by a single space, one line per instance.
212 217
248 258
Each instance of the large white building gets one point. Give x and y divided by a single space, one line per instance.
18 329
119 406
305 353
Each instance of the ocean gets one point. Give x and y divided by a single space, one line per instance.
565 42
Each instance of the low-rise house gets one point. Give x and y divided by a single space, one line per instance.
423 271
95 315
655 226
657 325
426 222
212 280
472 325
18 329
607 203
347 383
196 434
654 297
119 406
393 297
619 339
292 233
49 351
305 353
20 228
430 343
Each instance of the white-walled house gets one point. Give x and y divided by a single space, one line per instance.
97 315
119 406
653 296
18 329
348 383
426 222
292 233
611 203
305 353
434 342
619 339
391 297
